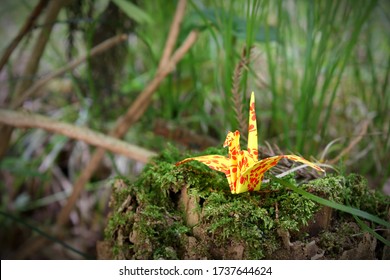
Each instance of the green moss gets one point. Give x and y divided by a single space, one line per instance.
330 187
351 190
295 211
148 220
158 232
339 239
238 218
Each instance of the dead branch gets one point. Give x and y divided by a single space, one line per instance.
173 33
140 105
27 26
134 112
31 68
39 47
29 120
353 143
107 44
132 115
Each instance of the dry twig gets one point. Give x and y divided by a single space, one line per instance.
107 44
352 144
31 68
27 26
29 120
132 115
135 111
173 33
236 96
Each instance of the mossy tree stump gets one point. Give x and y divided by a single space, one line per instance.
188 212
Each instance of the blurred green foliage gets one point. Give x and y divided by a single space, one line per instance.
319 69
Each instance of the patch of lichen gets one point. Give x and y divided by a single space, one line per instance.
147 221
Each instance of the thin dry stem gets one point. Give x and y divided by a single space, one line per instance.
236 96
173 33
107 44
139 106
27 26
29 120
132 115
39 47
31 68
353 143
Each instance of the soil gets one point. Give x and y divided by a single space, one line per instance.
188 212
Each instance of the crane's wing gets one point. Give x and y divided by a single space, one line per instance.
251 179
216 162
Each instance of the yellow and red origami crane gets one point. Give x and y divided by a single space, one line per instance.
242 168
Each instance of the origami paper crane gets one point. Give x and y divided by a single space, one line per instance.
242 168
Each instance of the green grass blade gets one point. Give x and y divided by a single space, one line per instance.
332 204
46 235
134 12
371 231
